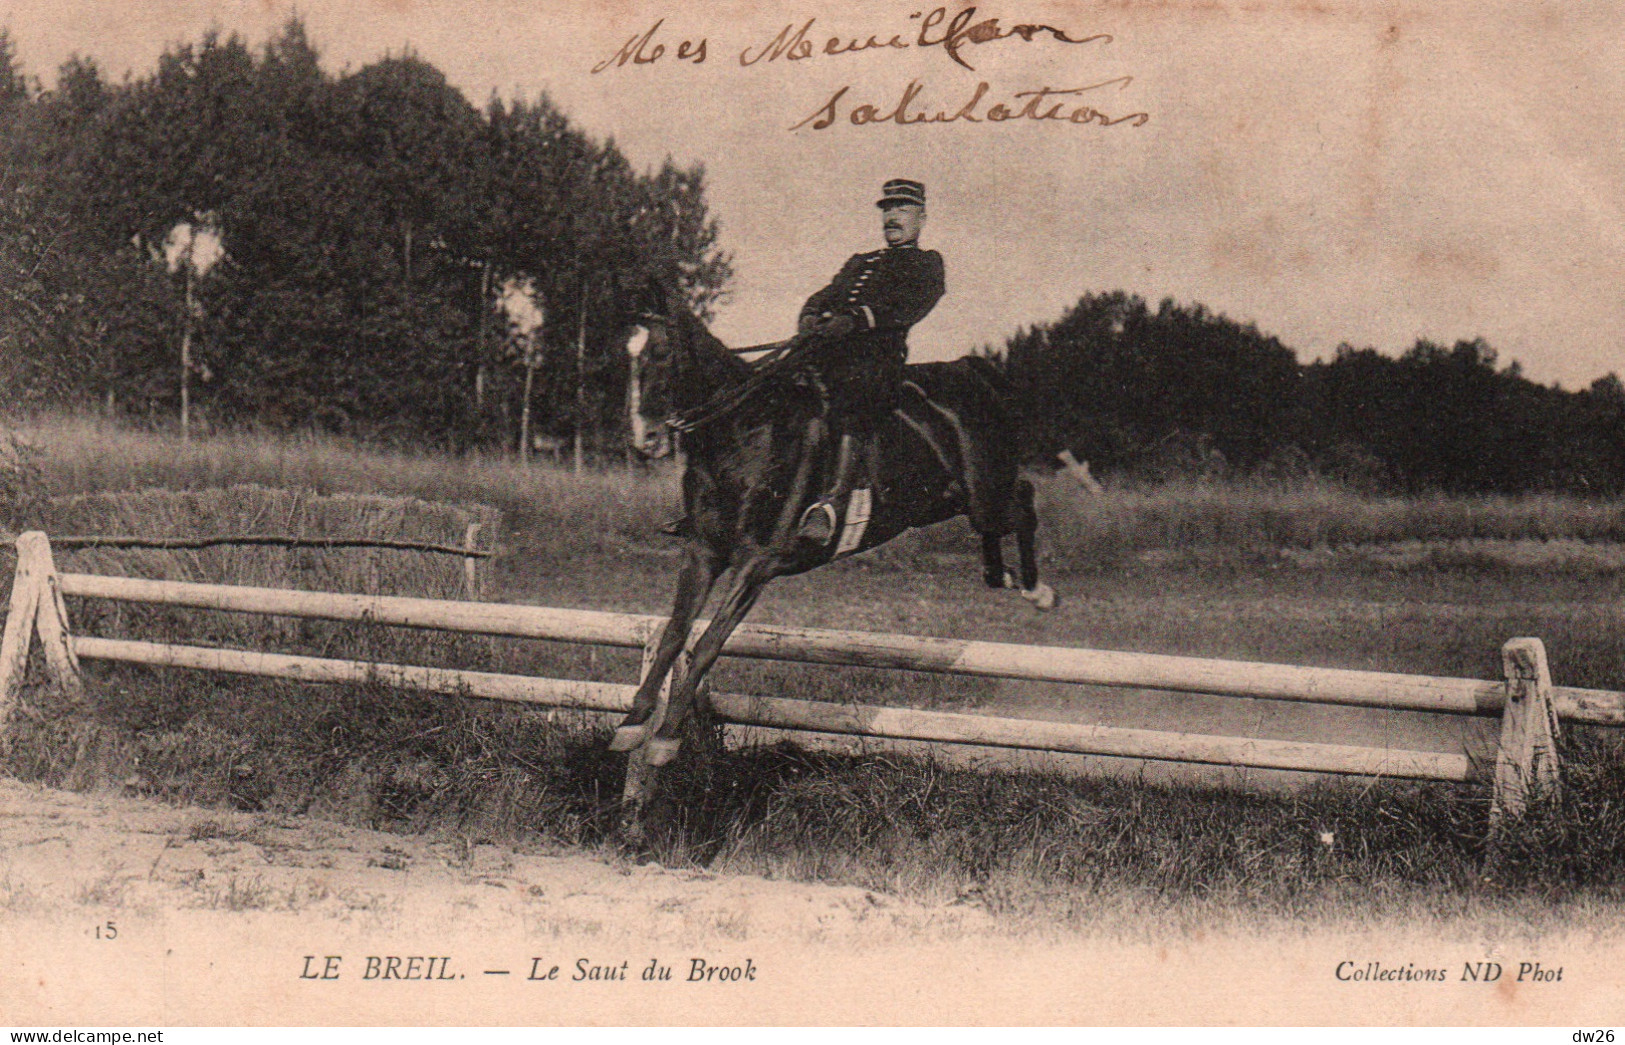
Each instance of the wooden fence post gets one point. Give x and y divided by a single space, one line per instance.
640 775
699 741
1079 471
471 575
19 636
51 621
1526 764
36 606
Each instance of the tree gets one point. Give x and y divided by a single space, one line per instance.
14 86
1114 382
370 216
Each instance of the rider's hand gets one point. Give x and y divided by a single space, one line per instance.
807 324
836 326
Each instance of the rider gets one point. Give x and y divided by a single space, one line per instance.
858 326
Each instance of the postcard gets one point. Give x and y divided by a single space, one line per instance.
458 239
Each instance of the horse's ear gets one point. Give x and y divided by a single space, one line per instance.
676 301
650 299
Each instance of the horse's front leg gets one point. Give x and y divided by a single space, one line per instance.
748 584
700 568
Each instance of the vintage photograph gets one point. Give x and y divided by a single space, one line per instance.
1037 512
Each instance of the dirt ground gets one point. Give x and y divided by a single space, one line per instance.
115 910
90 878
67 854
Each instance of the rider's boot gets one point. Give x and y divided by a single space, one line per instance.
871 464
819 523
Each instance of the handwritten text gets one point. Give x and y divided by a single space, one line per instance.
641 50
1045 104
795 44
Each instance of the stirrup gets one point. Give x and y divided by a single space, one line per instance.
818 523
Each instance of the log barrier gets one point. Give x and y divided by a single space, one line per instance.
1530 707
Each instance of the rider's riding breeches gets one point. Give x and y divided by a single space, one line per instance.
862 390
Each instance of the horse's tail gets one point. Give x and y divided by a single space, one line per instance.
990 373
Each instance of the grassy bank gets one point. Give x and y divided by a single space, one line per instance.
1079 532
85 455
1261 516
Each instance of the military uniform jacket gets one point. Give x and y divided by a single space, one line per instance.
885 292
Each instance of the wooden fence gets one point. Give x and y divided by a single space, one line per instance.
1529 705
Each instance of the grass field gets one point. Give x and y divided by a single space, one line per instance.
85 455
1307 575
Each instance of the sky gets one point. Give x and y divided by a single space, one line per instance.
1366 173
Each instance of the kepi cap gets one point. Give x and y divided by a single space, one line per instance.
901 190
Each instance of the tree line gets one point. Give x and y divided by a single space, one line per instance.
371 223
1182 391
374 230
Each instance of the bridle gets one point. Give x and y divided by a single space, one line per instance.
674 357
771 365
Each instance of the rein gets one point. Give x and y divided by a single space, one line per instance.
779 358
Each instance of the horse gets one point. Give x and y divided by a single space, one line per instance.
950 449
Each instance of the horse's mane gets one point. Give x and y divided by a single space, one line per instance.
721 350
709 348
777 398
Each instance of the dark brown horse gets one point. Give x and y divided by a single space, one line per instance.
752 470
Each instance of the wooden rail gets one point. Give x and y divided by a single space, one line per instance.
808 715
877 650
1526 700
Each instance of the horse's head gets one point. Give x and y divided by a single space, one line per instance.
649 391
677 365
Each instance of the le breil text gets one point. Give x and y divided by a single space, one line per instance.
440 968
798 42
1053 105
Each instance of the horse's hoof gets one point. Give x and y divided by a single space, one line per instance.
659 750
1011 582
627 738
1041 595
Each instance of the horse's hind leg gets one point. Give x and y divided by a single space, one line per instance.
993 560
1027 533
1032 589
1021 517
